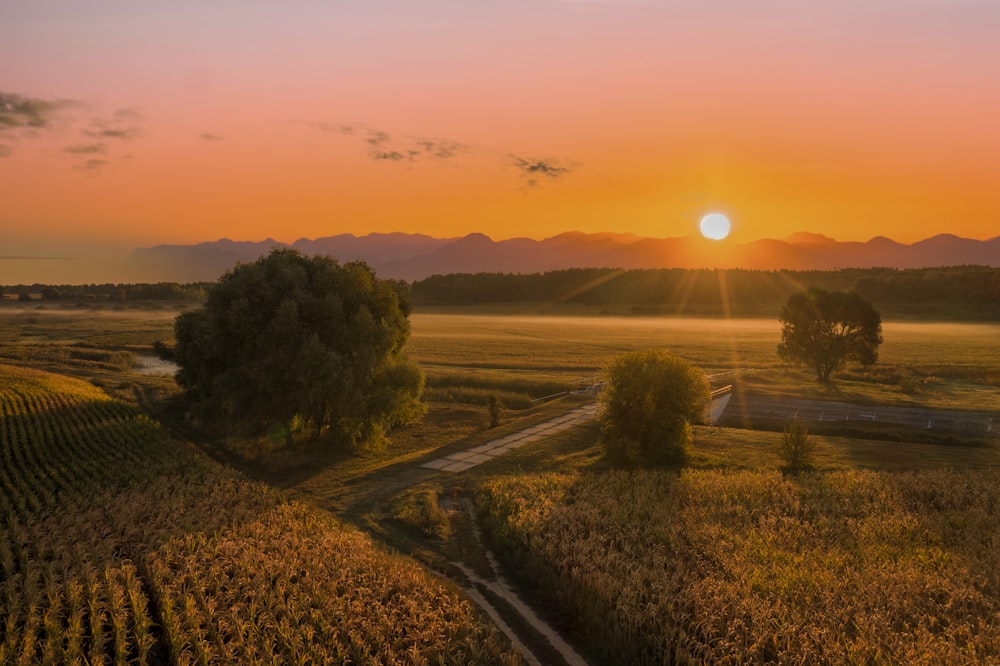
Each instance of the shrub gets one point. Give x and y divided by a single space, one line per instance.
796 447
650 401
422 511
496 410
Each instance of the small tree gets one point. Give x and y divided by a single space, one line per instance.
302 343
824 329
796 447
496 410
650 400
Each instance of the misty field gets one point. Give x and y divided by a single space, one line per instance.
583 344
939 365
545 346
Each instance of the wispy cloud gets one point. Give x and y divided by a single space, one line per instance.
441 149
111 132
24 117
93 164
124 124
28 118
381 146
209 136
21 111
534 171
332 127
87 149
87 156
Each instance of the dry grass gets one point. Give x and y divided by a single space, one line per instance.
947 366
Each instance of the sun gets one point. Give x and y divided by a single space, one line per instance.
715 226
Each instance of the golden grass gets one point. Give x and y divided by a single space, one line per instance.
948 366
932 364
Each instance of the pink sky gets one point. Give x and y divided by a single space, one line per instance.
126 124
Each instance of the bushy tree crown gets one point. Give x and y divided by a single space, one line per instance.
305 343
825 329
649 402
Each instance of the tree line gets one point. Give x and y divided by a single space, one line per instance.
156 291
956 292
960 292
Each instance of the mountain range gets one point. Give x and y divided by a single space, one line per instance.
416 256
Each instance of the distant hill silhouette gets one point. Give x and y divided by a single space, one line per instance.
416 256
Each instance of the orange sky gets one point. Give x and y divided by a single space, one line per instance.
124 124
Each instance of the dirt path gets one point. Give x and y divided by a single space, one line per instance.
478 572
499 586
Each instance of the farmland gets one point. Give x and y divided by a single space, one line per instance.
732 560
751 566
119 546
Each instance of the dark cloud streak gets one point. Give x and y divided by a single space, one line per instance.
20 111
29 117
93 165
382 146
87 149
532 169
123 125
391 155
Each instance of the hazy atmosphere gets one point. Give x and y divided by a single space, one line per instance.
129 124
525 333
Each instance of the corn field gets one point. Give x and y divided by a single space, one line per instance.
733 567
119 546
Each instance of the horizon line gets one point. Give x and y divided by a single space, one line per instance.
637 237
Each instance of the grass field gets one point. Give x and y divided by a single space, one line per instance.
530 353
953 366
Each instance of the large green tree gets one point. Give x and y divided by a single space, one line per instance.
649 402
305 344
825 329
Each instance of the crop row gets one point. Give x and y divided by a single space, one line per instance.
752 566
117 545
255 591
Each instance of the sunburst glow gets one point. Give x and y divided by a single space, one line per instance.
715 226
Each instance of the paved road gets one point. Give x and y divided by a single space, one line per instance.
463 460
790 409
